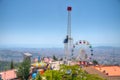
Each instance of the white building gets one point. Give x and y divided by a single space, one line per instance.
27 56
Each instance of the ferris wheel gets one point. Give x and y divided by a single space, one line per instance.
82 51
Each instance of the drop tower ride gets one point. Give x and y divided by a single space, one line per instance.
68 41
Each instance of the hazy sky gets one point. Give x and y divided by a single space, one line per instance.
43 23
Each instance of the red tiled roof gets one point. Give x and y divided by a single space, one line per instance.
110 70
7 75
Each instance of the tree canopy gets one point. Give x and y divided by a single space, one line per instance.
24 69
70 73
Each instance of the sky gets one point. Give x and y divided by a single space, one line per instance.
43 23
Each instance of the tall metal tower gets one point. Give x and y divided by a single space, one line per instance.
68 40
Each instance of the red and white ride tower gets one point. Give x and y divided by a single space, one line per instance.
68 40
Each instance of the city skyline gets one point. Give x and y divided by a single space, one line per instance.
43 23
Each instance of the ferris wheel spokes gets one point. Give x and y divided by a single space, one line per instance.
83 55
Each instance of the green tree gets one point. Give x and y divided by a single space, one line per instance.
38 77
55 58
76 73
72 72
95 62
67 72
24 69
93 77
61 59
52 75
11 65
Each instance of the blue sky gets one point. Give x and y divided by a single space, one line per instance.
43 23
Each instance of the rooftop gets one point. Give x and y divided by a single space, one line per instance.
7 75
109 70
27 54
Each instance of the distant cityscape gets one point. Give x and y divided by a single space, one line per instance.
104 55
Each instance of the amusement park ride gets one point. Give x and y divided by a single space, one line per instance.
82 48
68 40
75 53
